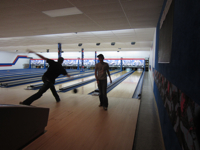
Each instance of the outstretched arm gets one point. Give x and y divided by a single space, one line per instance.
30 51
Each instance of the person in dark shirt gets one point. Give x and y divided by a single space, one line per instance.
54 70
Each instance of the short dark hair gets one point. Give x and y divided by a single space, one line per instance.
101 55
60 60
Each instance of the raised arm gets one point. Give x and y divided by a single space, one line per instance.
30 51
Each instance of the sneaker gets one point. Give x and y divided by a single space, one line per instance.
58 100
23 103
105 108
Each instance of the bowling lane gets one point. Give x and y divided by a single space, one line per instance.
26 85
85 89
58 86
126 88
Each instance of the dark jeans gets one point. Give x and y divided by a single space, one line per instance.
103 92
43 89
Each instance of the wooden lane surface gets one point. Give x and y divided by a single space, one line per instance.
21 90
85 89
126 88
77 123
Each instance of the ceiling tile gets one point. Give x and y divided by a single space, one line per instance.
102 21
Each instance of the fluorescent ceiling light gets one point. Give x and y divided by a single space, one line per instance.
63 12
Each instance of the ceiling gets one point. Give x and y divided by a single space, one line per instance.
24 25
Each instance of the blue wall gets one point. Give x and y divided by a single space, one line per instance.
184 67
169 136
183 71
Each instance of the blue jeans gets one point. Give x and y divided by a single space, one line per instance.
43 89
103 92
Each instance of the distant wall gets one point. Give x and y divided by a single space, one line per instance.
19 60
13 60
152 59
124 54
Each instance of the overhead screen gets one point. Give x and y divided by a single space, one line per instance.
165 33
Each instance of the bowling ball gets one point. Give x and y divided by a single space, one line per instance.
75 90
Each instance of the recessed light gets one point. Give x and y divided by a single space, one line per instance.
63 12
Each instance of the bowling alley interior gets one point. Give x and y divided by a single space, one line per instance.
153 55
